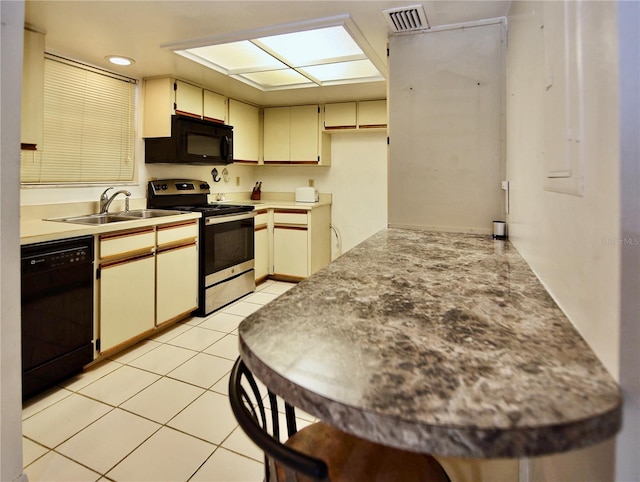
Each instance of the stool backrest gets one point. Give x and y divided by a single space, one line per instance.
249 406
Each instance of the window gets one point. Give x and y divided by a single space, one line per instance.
88 127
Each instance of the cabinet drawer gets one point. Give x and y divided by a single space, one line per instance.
262 218
290 217
127 242
172 233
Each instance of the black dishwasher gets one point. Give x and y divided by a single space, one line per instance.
57 311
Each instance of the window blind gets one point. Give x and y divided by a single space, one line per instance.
89 126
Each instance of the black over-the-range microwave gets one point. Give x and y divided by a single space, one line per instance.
192 141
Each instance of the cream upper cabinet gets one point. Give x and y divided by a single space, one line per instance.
165 96
277 134
245 119
372 113
366 114
340 116
214 107
159 106
32 90
188 99
304 134
293 135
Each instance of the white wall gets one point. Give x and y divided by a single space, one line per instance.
445 126
569 240
572 242
12 20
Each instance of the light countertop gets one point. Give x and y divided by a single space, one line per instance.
35 226
439 343
39 230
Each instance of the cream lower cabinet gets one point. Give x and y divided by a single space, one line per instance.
147 277
301 242
127 286
176 271
261 245
290 252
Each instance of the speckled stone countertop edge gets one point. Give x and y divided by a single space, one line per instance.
594 421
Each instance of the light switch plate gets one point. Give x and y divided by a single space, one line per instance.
505 186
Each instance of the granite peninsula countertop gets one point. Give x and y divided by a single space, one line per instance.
438 343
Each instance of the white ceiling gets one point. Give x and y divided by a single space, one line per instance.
90 30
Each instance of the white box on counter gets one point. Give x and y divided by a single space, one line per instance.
307 195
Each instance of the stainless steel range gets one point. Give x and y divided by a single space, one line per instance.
226 249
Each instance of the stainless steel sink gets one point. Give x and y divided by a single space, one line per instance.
96 219
99 219
151 213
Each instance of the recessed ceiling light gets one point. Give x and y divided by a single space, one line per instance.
120 60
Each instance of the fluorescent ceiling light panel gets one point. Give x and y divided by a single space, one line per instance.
242 56
359 69
313 47
278 78
310 57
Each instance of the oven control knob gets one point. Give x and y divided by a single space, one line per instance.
204 185
165 187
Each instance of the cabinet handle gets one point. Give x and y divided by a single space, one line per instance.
291 227
126 234
119 262
174 247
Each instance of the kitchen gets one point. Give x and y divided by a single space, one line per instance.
545 237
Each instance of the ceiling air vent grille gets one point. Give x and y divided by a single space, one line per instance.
406 19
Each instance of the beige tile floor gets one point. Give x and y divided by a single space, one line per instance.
157 412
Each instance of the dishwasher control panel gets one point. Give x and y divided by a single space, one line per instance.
39 258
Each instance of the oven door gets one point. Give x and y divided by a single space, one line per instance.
227 241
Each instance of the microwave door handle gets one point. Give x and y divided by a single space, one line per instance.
224 147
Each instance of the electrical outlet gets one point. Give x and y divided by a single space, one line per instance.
237 180
311 182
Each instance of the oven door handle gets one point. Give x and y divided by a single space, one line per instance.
228 218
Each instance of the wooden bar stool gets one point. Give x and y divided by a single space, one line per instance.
318 452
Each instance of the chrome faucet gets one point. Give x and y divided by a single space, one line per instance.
106 201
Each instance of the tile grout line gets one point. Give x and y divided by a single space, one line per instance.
233 332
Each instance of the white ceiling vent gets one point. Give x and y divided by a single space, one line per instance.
406 19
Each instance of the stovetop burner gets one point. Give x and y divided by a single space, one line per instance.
188 195
216 209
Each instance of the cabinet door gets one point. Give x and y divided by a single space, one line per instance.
188 99
277 134
177 282
32 90
127 300
304 133
290 252
245 120
158 107
372 113
261 252
214 107
340 116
